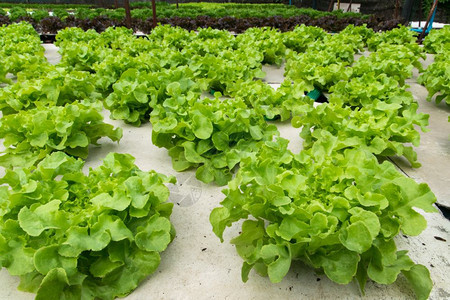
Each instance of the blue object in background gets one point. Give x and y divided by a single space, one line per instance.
314 94
430 24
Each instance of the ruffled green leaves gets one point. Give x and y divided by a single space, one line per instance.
369 106
289 99
212 135
356 237
332 206
41 217
419 277
201 126
20 50
397 36
436 77
394 60
324 59
405 194
83 236
48 258
138 91
278 261
268 41
79 239
437 41
155 236
341 215
129 101
15 255
53 284
58 87
117 202
363 229
30 135
339 266
379 127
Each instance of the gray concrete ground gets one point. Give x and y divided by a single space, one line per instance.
197 266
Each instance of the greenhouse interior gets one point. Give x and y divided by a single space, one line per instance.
260 149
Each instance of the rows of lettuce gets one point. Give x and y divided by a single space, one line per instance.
142 20
436 77
332 206
65 232
143 11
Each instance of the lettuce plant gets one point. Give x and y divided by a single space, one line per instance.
436 78
334 211
212 135
395 61
75 35
17 12
323 62
137 92
302 37
342 45
31 135
362 32
109 70
361 91
437 41
130 99
319 69
74 236
171 36
39 14
82 56
219 72
397 36
281 103
267 41
19 49
382 128
57 87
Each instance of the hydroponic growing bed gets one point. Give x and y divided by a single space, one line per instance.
332 205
